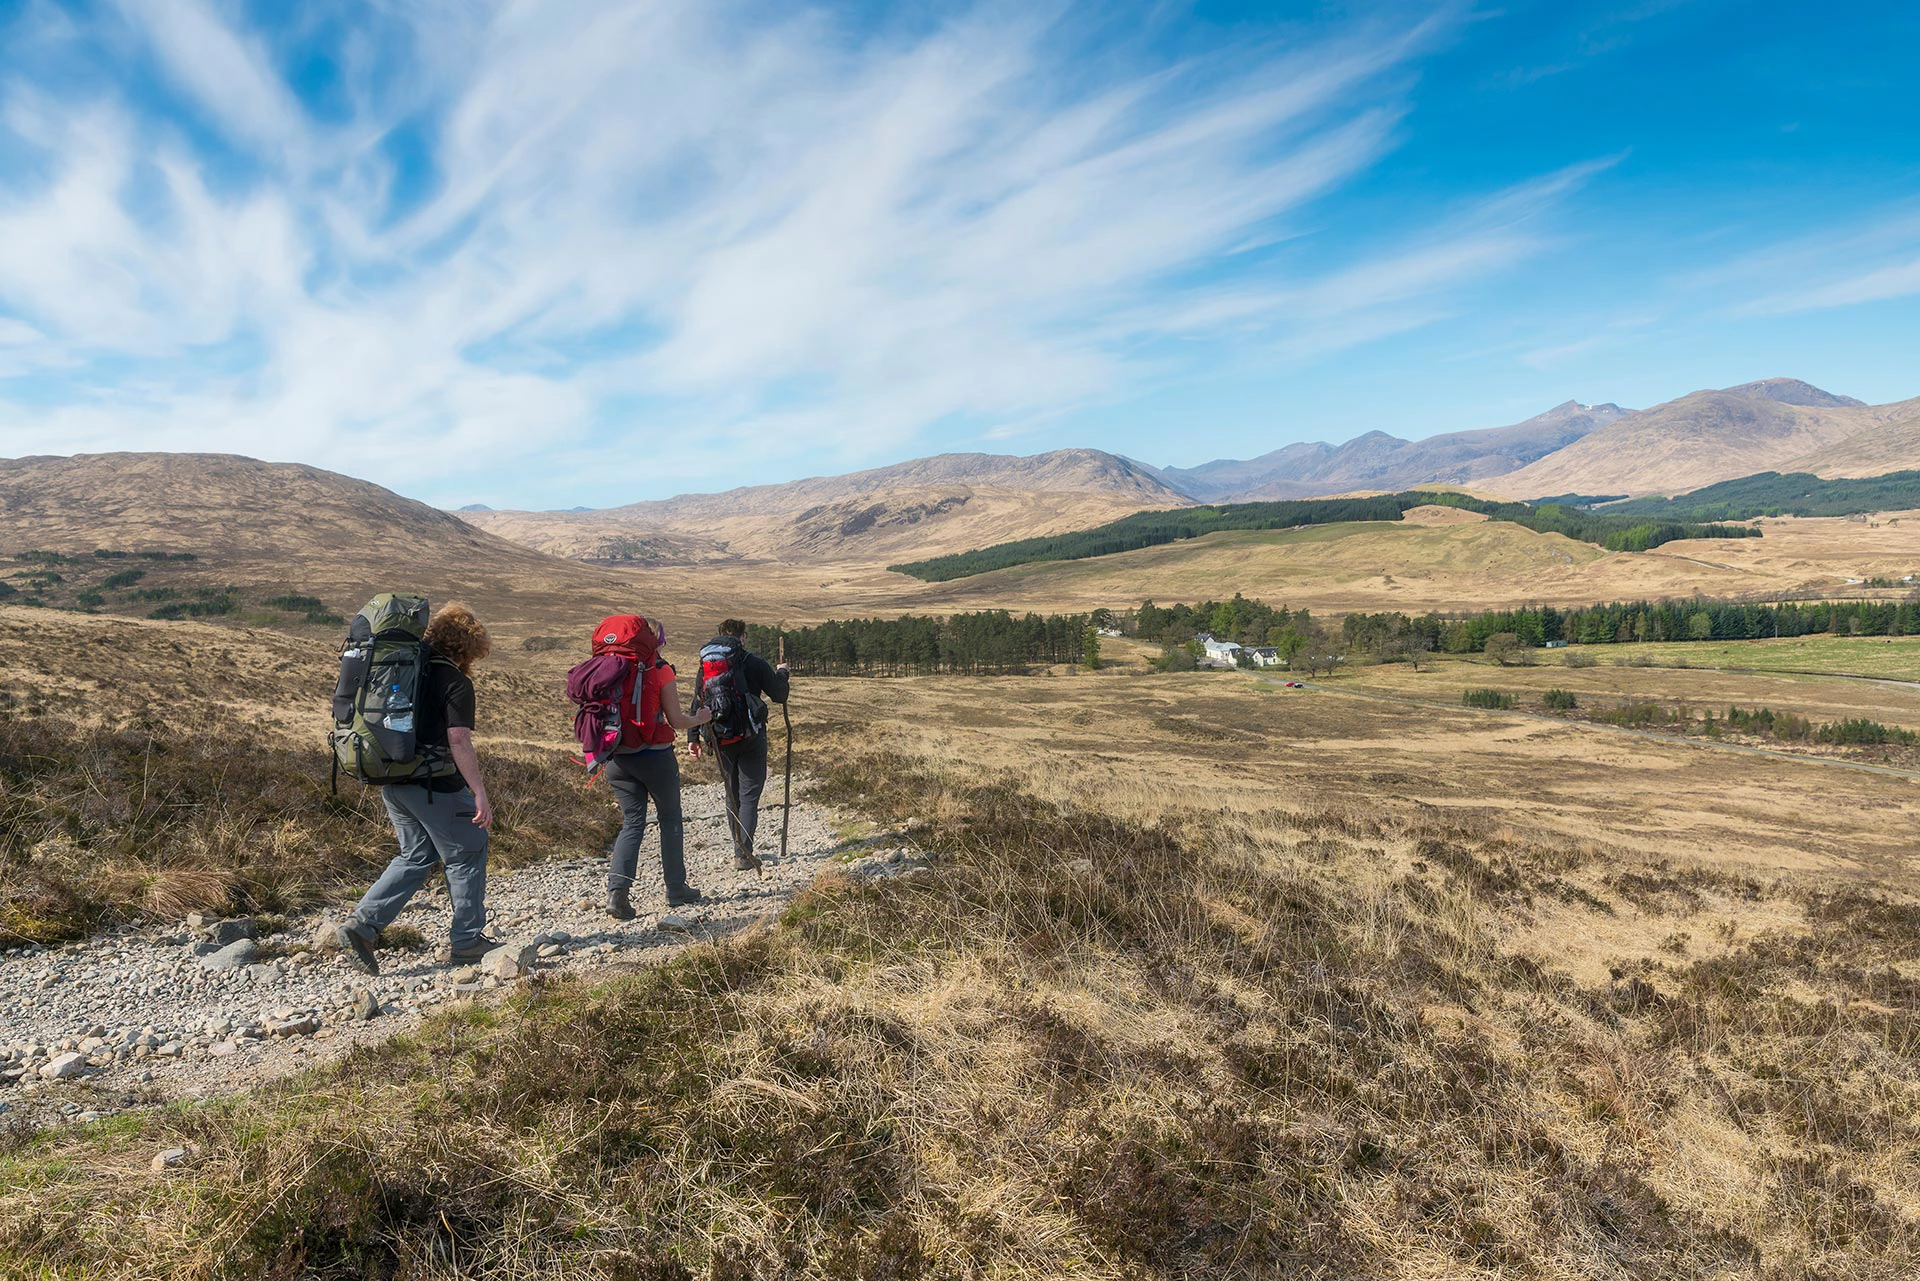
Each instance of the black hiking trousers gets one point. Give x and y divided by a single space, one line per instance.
635 778
743 767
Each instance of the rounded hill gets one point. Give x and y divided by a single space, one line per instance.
257 524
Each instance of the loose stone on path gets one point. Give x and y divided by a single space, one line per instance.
211 1005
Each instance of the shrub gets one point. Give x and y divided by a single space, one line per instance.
295 604
1769 724
1509 650
1578 658
1486 698
1176 658
1560 700
213 606
325 618
542 644
1636 713
125 578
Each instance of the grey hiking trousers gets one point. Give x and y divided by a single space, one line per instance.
435 830
743 767
635 777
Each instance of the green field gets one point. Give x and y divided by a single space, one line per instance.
1889 657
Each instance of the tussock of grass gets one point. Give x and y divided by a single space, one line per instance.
156 819
1279 1045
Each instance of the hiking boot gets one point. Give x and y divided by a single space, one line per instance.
685 896
619 906
359 940
468 953
745 863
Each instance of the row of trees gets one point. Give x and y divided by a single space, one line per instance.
1699 618
999 642
990 642
1509 633
1153 528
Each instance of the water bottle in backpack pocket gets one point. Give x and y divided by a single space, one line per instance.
383 672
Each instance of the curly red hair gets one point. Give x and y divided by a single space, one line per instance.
456 634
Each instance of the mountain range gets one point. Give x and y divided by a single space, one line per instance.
1377 460
956 502
948 502
1779 424
273 523
1776 424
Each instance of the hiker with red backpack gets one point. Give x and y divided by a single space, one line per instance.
628 720
732 687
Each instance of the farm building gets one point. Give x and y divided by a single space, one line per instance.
1218 653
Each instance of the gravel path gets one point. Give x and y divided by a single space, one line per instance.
139 1016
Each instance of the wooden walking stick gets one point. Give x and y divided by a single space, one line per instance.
786 785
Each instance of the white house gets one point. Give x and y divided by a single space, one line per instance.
1218 653
1266 656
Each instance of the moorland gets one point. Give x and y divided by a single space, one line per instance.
1210 975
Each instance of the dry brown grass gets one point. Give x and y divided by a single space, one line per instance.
1351 990
1255 1045
1177 748
151 769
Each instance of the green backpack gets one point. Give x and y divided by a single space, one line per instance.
383 671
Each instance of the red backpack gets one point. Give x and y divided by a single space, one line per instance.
617 691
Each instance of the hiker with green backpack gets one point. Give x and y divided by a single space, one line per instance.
403 713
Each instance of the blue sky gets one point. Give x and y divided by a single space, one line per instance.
544 253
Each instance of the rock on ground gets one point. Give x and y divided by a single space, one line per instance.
509 961
232 956
62 1066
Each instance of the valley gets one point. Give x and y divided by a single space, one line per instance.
997 881
694 640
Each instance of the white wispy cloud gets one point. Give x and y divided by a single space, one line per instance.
698 225
1875 259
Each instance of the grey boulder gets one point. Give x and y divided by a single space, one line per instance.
62 1066
221 933
509 961
231 957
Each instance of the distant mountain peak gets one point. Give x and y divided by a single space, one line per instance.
474 507
1792 391
1381 460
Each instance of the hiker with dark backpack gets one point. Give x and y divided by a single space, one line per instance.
403 713
628 720
733 685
